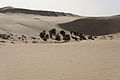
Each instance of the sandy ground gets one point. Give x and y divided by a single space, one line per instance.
86 60
29 24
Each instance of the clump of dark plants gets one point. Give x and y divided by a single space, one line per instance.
66 37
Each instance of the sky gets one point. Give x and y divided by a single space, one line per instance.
79 7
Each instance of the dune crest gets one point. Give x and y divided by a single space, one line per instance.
10 9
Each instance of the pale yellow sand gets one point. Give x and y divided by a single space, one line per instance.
86 60
29 24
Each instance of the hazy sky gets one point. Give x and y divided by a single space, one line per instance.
80 7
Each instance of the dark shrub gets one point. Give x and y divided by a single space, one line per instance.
62 33
71 32
45 39
11 34
13 42
75 38
82 37
33 38
53 31
76 33
90 37
57 37
19 37
47 36
95 36
34 41
66 37
4 36
23 36
8 36
42 34
51 36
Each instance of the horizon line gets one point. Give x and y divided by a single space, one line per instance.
97 15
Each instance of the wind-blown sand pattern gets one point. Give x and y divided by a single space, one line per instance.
97 58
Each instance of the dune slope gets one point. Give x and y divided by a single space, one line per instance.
94 25
30 24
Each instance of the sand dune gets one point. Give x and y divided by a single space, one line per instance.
30 24
24 21
94 25
10 9
97 59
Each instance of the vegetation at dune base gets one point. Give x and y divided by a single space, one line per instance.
63 36
52 34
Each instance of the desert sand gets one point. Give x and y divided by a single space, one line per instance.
94 25
30 24
86 60
97 59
